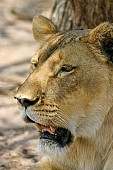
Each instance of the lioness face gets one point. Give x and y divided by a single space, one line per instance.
66 92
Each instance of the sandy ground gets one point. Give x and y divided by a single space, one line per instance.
17 140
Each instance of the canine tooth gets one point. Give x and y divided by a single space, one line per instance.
43 130
52 129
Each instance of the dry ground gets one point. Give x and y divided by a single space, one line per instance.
17 140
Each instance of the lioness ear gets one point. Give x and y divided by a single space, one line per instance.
102 37
42 28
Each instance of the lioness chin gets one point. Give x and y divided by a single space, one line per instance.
69 97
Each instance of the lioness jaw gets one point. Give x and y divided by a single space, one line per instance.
69 96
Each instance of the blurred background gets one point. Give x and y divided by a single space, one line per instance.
18 140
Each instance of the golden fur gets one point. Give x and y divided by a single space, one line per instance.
72 77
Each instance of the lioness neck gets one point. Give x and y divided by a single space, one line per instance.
89 153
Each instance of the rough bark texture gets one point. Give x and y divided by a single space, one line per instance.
63 15
69 14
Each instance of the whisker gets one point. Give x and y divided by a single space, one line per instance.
59 120
66 117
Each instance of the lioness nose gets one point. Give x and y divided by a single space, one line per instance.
26 102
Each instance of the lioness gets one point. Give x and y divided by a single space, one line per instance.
69 97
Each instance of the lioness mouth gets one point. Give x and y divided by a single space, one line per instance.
60 136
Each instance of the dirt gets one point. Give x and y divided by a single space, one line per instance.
18 140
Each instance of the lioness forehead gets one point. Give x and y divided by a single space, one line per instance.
58 42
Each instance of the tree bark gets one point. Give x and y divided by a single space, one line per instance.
73 14
63 15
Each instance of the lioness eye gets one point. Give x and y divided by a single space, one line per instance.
32 67
35 64
67 68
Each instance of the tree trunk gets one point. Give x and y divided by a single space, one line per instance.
73 14
63 15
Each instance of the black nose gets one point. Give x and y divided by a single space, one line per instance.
26 102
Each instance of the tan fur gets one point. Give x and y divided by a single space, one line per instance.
80 99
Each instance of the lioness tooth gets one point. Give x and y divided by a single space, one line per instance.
52 129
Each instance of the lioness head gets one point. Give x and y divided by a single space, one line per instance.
69 90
